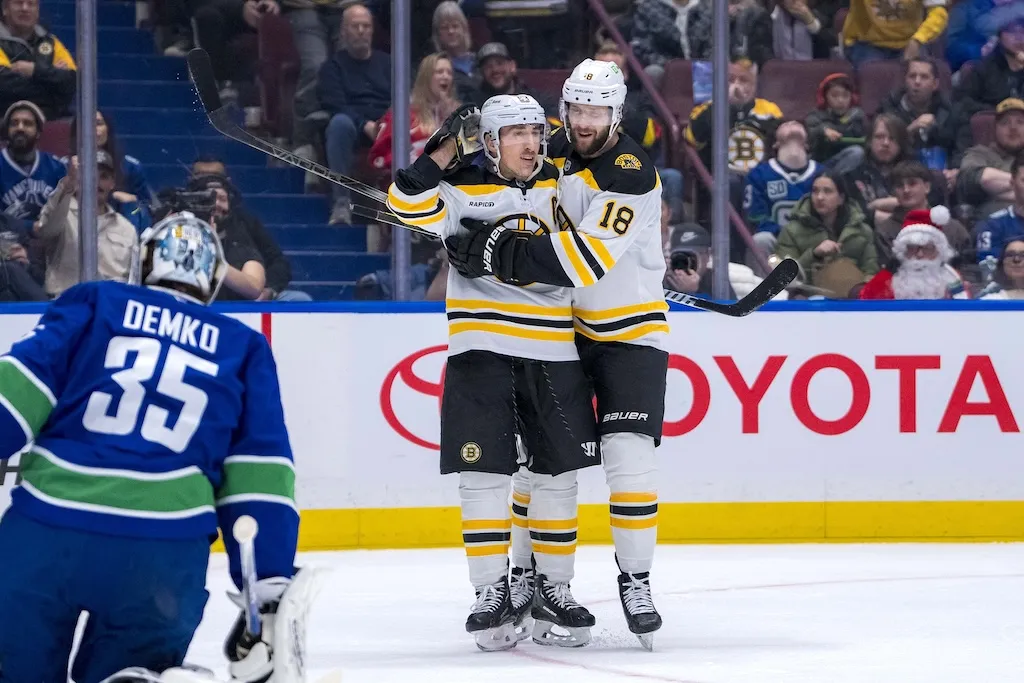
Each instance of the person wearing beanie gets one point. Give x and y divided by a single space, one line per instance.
27 176
838 122
920 265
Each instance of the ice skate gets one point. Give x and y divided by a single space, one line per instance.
638 606
522 587
555 608
491 620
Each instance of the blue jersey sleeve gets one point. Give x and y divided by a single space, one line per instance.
259 474
35 371
757 205
134 180
989 236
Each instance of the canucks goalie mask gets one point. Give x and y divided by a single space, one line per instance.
145 422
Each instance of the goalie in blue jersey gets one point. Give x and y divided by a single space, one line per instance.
145 422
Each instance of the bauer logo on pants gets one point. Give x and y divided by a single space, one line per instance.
471 452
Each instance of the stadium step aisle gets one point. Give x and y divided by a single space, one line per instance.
157 119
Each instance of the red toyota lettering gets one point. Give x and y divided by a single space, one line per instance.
701 396
907 367
997 406
750 396
801 402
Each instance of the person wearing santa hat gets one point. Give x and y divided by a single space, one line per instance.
920 265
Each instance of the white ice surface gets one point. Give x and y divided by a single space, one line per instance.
883 613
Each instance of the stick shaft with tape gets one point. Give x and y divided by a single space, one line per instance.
244 531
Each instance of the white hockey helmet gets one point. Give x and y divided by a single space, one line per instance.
185 251
511 110
594 83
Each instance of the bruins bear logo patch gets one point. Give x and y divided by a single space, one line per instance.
628 162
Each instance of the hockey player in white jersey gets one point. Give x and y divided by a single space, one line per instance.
513 371
609 250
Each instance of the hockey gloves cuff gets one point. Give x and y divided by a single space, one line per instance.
464 126
485 250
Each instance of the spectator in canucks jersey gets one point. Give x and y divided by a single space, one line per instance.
35 64
28 176
776 185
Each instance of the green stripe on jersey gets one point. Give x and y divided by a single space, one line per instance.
24 395
178 494
247 475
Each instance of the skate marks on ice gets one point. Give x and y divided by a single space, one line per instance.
733 614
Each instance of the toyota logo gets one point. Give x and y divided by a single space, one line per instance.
404 372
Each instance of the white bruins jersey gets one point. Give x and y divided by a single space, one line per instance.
534 321
610 211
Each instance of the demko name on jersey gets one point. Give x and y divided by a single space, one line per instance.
177 326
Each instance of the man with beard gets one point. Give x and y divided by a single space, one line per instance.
27 176
984 180
608 248
919 269
498 71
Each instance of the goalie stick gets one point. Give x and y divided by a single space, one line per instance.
223 118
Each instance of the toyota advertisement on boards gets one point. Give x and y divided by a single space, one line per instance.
780 407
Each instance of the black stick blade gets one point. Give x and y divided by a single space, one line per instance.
767 289
200 68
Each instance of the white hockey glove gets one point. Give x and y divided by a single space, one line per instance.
279 654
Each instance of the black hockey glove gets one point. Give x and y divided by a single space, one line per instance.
485 250
463 125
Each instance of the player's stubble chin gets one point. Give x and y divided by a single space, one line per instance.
596 143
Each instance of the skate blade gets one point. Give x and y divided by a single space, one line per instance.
543 634
524 627
647 640
496 639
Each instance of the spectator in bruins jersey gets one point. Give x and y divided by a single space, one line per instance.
34 64
752 122
752 125
891 29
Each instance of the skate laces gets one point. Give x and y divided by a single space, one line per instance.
489 598
559 594
637 595
522 587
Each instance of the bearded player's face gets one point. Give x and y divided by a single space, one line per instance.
589 127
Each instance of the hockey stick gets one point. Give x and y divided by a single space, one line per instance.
244 531
766 290
223 117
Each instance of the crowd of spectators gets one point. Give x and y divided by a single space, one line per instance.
832 185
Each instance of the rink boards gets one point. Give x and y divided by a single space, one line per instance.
795 424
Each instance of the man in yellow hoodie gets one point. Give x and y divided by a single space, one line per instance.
890 29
